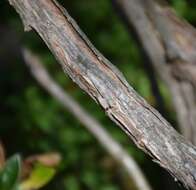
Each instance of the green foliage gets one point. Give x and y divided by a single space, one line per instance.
186 9
71 183
9 175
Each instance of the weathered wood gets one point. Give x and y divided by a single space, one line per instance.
104 83
91 124
169 43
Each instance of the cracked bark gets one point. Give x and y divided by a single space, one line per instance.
95 128
105 84
169 43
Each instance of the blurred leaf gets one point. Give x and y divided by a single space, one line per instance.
52 159
39 177
10 173
49 159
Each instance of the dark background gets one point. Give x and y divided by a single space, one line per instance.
32 122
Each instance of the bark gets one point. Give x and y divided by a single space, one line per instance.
105 84
95 128
148 67
169 43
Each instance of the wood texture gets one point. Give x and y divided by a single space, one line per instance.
170 44
104 83
91 124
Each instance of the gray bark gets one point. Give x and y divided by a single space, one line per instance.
95 128
169 43
104 83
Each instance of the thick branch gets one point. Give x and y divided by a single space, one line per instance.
98 131
151 74
103 82
169 43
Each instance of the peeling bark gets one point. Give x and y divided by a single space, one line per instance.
94 127
169 43
104 83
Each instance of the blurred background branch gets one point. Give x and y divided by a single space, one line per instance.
168 43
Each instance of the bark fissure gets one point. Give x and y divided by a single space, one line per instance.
93 126
169 43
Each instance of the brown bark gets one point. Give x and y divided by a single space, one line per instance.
169 43
104 83
95 128
2 155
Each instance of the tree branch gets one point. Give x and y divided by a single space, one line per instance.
148 67
104 83
98 131
169 43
